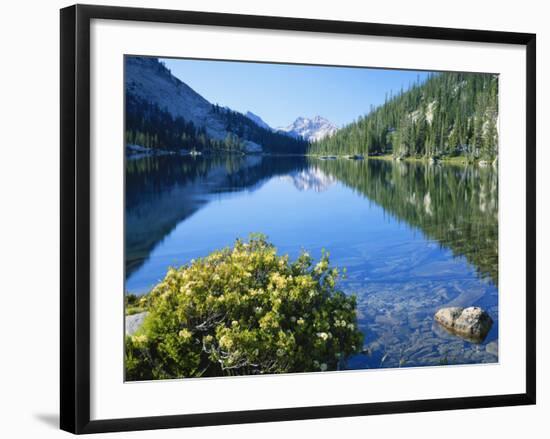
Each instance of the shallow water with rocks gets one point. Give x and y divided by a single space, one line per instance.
413 237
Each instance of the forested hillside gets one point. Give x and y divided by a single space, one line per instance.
163 112
271 141
149 126
450 114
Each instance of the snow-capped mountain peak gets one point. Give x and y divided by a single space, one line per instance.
311 129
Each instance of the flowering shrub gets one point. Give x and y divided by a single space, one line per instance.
244 310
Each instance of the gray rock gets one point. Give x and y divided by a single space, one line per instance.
146 78
492 348
133 322
470 323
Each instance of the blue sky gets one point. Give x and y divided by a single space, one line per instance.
279 93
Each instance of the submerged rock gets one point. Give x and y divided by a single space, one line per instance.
470 323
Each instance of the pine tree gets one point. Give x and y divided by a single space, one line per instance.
448 112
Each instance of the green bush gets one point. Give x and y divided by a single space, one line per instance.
244 310
132 304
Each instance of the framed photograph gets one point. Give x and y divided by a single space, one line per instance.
268 218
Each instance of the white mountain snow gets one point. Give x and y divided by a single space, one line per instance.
312 129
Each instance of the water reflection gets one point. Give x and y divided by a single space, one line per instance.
165 190
413 237
455 205
311 178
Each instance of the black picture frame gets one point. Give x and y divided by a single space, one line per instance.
75 217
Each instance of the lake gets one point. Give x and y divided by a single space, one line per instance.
413 237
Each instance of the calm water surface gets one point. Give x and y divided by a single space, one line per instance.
413 237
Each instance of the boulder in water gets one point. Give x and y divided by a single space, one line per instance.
472 323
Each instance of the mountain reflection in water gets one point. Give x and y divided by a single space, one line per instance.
413 237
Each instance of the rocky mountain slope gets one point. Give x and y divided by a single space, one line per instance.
148 79
162 112
314 129
258 120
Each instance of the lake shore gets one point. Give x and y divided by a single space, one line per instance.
458 160
136 152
